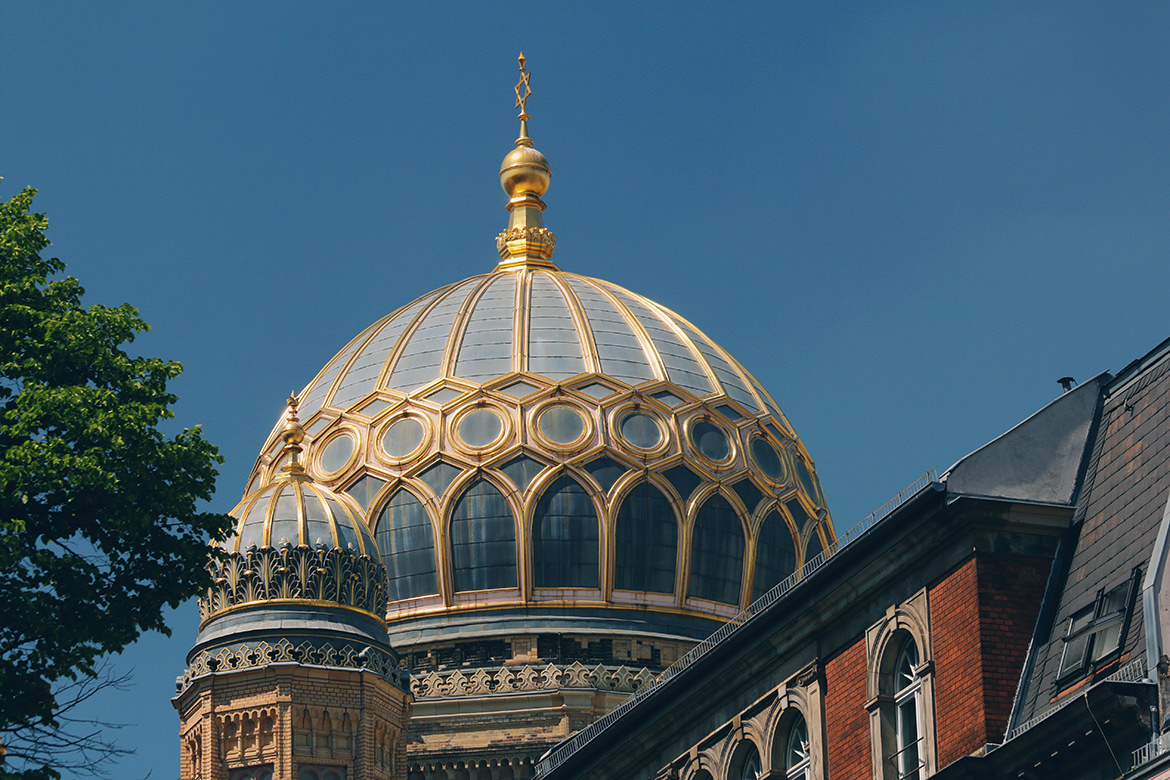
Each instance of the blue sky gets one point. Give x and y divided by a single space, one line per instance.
907 219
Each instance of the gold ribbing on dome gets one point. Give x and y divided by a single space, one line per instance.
292 436
524 175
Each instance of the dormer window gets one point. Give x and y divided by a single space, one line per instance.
1096 631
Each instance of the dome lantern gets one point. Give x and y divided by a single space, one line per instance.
525 175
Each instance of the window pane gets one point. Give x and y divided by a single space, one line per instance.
645 541
406 540
775 554
565 538
716 553
483 540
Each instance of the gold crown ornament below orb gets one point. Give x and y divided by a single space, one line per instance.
525 175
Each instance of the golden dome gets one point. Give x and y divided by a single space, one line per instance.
557 448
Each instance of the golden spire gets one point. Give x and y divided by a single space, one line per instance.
523 92
524 175
292 435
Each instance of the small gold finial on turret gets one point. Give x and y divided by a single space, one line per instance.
525 175
292 436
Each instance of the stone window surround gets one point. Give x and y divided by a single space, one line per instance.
767 729
909 620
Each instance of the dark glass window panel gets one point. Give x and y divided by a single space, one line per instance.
748 493
402 437
606 471
710 440
775 431
641 431
406 540
364 490
806 479
522 470
716 553
562 424
775 554
799 515
767 459
481 427
439 476
565 537
683 479
814 548
337 453
728 411
645 541
668 398
483 540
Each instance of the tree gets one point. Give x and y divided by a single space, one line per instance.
100 525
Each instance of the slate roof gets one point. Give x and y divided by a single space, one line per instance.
1119 512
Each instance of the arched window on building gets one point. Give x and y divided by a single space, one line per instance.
645 541
797 759
565 537
406 540
746 765
908 712
900 686
483 539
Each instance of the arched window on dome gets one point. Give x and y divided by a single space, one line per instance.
483 539
565 537
406 540
645 542
813 547
775 554
717 545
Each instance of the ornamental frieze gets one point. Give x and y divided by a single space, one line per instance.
246 655
512 679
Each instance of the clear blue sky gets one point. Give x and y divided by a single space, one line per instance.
908 220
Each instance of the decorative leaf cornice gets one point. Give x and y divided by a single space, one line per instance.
241 656
519 679
519 243
296 574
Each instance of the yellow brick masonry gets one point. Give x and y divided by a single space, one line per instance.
288 716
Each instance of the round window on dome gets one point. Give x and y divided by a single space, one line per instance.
337 453
710 440
403 437
640 430
561 425
481 428
767 459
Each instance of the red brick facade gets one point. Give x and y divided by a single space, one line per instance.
846 719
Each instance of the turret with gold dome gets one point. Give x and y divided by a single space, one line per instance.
293 628
560 475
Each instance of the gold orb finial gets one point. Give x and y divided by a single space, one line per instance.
525 175
292 435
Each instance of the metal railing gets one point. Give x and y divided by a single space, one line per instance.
1134 671
558 755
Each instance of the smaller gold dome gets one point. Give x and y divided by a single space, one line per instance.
523 170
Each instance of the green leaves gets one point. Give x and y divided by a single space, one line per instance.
99 519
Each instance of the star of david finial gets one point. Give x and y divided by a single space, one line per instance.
523 90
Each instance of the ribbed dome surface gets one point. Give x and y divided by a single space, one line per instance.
554 324
530 437
294 512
